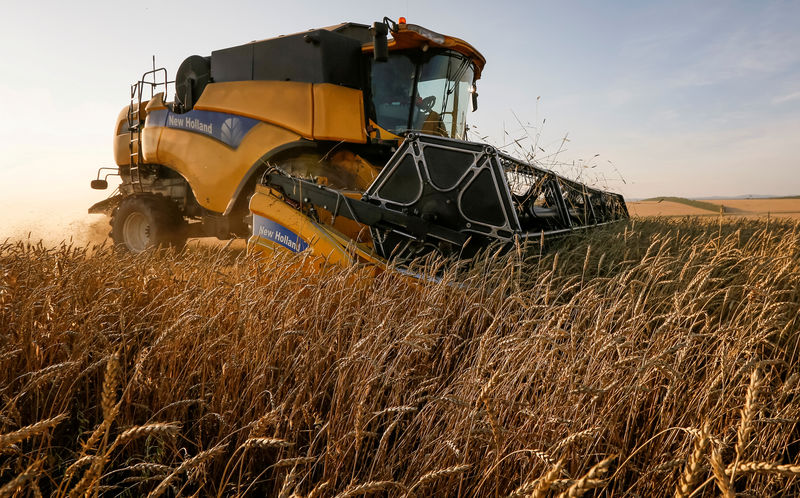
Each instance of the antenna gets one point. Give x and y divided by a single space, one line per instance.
152 87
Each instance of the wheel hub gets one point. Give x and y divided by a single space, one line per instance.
136 232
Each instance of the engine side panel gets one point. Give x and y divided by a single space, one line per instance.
213 168
233 125
288 104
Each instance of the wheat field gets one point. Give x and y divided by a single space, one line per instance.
788 207
653 358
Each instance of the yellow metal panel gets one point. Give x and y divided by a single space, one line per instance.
122 120
283 103
339 113
121 139
213 169
156 103
121 151
298 231
320 240
379 133
150 139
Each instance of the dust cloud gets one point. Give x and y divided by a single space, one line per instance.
52 222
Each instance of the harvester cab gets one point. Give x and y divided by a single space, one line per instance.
338 141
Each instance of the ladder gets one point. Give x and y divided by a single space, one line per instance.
151 80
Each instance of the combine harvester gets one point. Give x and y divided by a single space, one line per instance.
338 141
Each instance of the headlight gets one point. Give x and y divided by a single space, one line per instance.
430 35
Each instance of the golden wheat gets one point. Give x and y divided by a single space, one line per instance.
592 479
31 430
766 468
472 383
748 413
370 488
155 429
722 480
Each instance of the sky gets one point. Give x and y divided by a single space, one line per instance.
645 98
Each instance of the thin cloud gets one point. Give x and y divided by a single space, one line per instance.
786 98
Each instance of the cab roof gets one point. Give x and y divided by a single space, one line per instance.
408 36
412 36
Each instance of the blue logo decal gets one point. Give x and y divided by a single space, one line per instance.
229 129
277 233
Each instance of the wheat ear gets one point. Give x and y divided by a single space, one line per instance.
748 414
765 468
91 476
16 484
483 396
153 468
156 429
288 484
266 442
538 488
110 385
188 464
319 489
718 468
30 430
438 474
692 469
592 479
79 463
371 487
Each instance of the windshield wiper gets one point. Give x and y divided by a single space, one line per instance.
462 68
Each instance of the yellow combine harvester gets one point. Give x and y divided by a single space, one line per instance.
338 141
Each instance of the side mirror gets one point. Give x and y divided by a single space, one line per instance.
99 184
380 43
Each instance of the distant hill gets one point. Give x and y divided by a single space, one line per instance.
708 206
746 196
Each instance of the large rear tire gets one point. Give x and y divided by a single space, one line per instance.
142 222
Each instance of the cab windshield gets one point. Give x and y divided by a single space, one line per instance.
426 92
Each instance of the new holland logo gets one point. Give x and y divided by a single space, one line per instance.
268 229
229 129
190 124
232 131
